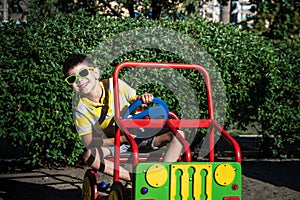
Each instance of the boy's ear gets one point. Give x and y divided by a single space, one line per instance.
97 72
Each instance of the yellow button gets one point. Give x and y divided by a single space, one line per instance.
156 175
224 174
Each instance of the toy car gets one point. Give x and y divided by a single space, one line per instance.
156 180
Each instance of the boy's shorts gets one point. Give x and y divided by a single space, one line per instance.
144 144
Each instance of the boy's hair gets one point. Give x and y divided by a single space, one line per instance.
75 59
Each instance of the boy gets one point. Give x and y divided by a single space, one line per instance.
94 115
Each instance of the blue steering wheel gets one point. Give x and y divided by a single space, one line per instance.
159 111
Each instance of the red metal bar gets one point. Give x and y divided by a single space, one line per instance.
231 140
173 115
164 65
134 147
148 158
117 156
158 123
116 94
186 146
211 146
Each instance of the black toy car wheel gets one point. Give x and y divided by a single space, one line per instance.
89 187
117 192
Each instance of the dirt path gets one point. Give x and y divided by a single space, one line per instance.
261 180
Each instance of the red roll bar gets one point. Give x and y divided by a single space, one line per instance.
172 123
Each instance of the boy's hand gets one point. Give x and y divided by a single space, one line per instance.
146 98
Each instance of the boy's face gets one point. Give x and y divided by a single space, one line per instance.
85 78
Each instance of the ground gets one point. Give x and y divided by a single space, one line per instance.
262 179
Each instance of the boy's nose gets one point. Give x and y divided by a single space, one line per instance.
79 79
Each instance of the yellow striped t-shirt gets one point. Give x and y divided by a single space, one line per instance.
97 117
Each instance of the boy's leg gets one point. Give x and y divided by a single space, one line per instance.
94 157
174 150
175 147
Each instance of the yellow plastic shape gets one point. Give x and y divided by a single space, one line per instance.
156 175
198 181
224 174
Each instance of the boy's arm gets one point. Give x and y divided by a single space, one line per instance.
87 140
96 141
90 141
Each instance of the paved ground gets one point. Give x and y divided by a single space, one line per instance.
261 180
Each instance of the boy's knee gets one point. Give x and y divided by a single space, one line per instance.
94 158
86 155
90 156
170 136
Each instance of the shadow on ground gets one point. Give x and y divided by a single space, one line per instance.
39 185
277 173
13 190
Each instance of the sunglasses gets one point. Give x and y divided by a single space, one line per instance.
74 77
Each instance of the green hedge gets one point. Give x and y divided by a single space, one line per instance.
261 81
279 114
